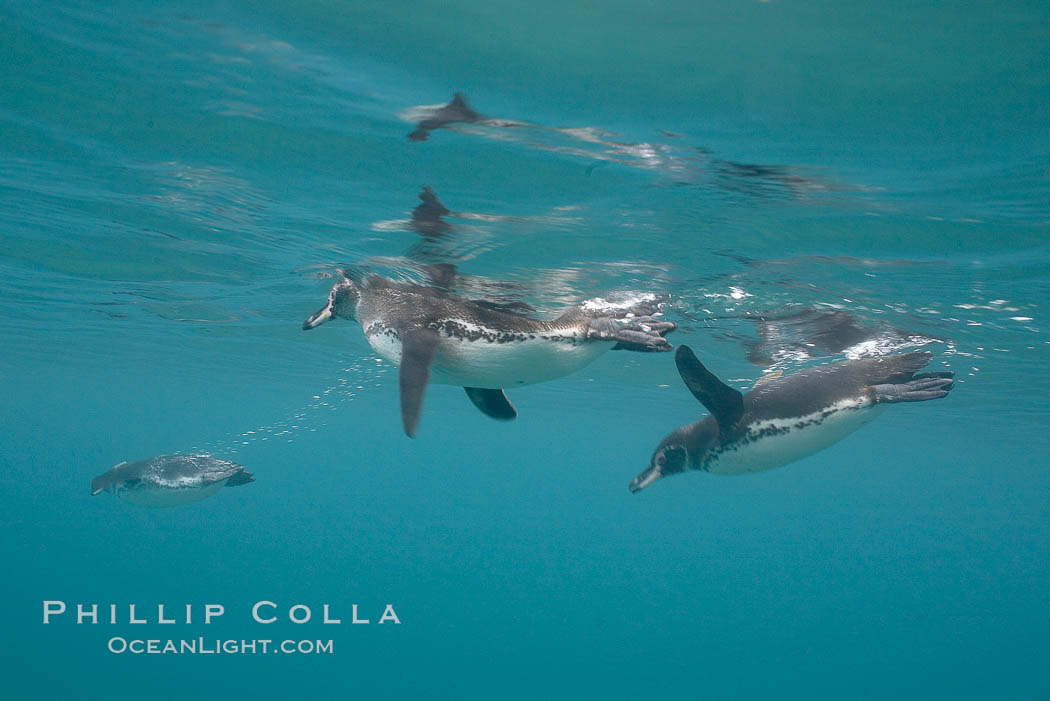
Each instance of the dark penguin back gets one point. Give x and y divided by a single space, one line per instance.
811 391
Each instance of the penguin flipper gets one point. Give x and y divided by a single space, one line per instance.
418 347
493 403
725 403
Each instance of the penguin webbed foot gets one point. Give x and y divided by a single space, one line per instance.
921 388
643 334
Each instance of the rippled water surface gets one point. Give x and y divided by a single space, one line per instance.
806 182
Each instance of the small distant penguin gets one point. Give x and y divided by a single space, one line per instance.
170 480
785 418
433 335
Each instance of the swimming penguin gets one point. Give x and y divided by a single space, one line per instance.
170 480
785 418
436 336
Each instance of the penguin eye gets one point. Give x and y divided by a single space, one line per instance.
672 458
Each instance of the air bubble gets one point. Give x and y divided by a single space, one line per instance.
339 393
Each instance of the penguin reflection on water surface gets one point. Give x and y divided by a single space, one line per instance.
783 419
433 335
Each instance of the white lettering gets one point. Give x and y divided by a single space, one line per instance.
389 615
82 614
255 611
50 608
213 611
300 607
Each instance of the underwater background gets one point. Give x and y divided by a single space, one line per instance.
177 179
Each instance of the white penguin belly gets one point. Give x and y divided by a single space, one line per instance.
793 438
495 365
386 343
159 497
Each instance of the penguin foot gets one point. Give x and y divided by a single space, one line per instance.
644 334
930 385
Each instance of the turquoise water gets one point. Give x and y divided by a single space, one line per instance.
177 179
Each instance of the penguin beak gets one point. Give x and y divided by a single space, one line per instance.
322 315
644 479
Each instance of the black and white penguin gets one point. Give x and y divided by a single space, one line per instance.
433 335
170 480
783 419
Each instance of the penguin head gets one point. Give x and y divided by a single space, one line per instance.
682 450
342 302
101 484
670 458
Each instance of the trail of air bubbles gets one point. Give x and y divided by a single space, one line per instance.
354 380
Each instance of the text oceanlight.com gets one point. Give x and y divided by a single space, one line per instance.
202 646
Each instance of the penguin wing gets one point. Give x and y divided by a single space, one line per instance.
493 403
725 403
418 347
